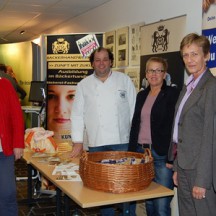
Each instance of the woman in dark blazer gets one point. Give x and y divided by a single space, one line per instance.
152 126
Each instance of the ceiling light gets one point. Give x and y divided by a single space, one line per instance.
22 32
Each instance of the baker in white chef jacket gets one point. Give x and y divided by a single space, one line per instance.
103 107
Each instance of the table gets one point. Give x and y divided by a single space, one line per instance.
86 197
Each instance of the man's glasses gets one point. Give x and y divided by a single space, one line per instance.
157 71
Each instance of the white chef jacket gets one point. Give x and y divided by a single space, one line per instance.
104 109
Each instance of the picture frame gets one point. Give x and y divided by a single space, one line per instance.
135 43
109 42
122 47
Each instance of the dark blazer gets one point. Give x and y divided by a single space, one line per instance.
196 132
161 118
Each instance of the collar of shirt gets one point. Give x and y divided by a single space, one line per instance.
110 73
191 83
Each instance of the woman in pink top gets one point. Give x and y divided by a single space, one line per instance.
151 128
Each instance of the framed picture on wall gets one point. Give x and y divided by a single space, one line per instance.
162 39
134 74
122 47
110 43
134 45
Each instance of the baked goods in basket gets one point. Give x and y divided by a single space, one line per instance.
116 178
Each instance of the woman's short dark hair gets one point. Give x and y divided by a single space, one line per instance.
99 49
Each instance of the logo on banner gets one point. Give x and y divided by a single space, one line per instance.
60 46
160 39
87 45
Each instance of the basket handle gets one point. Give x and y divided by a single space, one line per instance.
147 154
84 155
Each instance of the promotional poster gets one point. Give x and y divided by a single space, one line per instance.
67 64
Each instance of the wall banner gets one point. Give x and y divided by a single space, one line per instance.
209 30
66 66
163 39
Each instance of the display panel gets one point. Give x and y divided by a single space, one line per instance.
36 91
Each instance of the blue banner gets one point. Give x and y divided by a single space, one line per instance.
211 35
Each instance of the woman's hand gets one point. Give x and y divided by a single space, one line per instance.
18 153
169 166
198 192
175 179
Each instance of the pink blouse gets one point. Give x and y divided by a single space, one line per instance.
145 125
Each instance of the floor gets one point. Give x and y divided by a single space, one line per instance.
46 205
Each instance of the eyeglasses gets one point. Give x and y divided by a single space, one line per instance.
157 71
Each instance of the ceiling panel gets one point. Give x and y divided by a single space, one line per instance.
37 16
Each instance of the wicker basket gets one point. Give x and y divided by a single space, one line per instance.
116 178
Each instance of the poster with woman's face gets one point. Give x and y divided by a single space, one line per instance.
66 67
59 106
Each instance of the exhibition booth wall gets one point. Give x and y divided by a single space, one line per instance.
110 16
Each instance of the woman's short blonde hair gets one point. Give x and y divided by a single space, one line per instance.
199 40
159 60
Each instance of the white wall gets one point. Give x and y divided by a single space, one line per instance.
120 13
19 57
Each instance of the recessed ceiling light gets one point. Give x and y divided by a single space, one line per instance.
22 32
